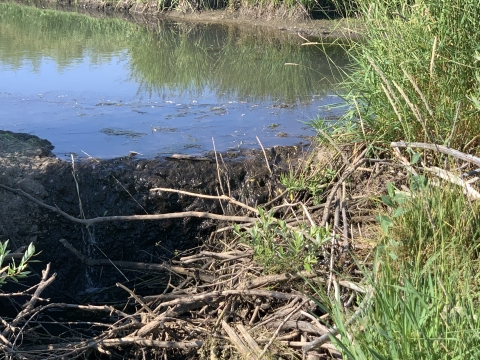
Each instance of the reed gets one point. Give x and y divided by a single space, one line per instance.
415 78
416 71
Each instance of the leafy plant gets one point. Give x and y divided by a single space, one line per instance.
281 248
13 271
313 183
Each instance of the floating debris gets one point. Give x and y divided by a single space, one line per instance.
127 133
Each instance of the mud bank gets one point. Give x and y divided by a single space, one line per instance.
94 188
274 18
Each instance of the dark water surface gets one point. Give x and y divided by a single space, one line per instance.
105 87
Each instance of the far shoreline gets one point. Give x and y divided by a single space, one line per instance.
281 20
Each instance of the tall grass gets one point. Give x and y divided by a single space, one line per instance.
426 283
416 78
416 70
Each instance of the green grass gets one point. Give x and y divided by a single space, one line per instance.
425 282
416 78
281 248
416 71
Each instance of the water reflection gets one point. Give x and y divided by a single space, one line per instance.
61 72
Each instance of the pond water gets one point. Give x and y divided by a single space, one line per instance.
105 87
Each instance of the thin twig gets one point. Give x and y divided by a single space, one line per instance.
264 154
280 327
213 197
218 167
96 220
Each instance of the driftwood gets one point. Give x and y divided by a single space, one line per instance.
443 174
157 217
439 148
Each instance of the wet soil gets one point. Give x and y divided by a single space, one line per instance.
94 188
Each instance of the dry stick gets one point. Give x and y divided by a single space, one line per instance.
254 316
404 161
226 172
228 256
275 279
44 283
125 341
280 327
88 222
7 343
249 339
277 314
132 294
264 154
315 321
218 167
274 199
213 197
344 213
457 113
189 299
468 190
196 273
432 58
360 117
467 145
440 148
237 341
334 331
307 214
330 197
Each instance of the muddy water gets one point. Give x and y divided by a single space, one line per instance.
105 87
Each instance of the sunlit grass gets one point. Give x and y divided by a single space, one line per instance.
416 70
415 78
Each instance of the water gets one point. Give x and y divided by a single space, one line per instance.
105 87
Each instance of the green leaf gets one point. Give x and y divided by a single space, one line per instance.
387 200
385 222
475 101
398 212
415 158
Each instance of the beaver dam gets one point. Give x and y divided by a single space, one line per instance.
186 258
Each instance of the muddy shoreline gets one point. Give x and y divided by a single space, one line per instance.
278 20
94 188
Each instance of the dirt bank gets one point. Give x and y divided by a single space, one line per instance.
278 19
92 188
318 28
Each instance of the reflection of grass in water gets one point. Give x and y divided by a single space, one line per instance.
179 57
233 64
32 34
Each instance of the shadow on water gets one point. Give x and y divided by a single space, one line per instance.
191 76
